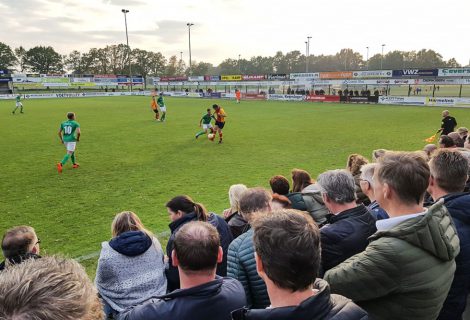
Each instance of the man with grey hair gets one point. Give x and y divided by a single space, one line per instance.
48 288
349 224
448 123
367 186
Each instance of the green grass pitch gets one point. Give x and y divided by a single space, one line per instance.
130 162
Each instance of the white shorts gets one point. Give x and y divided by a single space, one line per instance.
19 104
163 109
206 126
70 146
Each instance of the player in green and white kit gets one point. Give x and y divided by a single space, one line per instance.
69 134
206 123
18 104
162 106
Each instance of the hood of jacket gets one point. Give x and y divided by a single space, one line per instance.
131 243
433 232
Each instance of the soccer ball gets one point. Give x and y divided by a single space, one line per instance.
211 136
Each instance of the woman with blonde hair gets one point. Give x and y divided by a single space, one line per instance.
353 165
235 221
131 266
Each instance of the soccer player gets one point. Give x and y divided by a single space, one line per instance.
153 105
18 105
162 106
69 134
238 95
220 116
206 124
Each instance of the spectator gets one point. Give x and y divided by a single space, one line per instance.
203 295
408 266
449 171
463 133
280 202
48 288
354 164
303 182
377 154
19 244
235 221
458 141
182 209
349 225
367 186
131 267
446 142
467 143
429 149
287 248
241 254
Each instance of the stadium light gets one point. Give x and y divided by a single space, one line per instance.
239 66
181 55
128 48
306 53
308 50
189 32
382 59
367 59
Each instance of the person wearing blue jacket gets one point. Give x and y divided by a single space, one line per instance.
448 177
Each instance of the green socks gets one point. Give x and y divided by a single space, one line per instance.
163 116
65 159
200 133
73 157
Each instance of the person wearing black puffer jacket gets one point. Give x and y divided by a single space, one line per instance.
448 176
289 268
182 209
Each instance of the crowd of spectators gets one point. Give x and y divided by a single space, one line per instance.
387 238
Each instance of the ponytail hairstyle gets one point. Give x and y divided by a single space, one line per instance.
186 205
300 180
128 221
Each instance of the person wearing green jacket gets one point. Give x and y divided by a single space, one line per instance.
407 269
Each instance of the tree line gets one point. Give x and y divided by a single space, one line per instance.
114 59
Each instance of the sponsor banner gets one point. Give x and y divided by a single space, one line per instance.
415 72
161 83
178 78
328 98
52 75
55 84
465 81
460 102
437 81
373 74
18 75
81 79
224 95
47 79
8 96
83 84
212 95
4 71
304 76
196 78
27 80
5 79
250 77
336 75
440 101
253 96
420 101
211 78
396 81
454 72
195 94
286 97
107 76
358 99
106 80
236 77
278 76
107 84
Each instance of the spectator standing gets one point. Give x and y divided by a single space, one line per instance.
367 186
235 221
131 266
19 244
287 246
203 295
407 268
354 164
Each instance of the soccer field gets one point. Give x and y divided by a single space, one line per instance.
130 162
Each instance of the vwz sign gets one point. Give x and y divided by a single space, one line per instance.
415 72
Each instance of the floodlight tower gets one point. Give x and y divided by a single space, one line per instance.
382 58
308 50
189 24
367 59
128 48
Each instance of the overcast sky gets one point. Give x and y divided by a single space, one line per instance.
227 28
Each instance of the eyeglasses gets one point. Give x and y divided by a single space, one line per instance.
38 242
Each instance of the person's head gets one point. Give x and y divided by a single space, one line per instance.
197 248
337 186
161 94
20 241
280 202
355 162
182 205
279 185
234 193
377 154
254 200
429 149
445 113
458 141
127 221
48 288
446 142
215 106
300 180
463 132
71 115
367 179
401 179
208 111
449 172
287 246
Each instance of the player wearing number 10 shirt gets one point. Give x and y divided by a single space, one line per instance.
69 134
